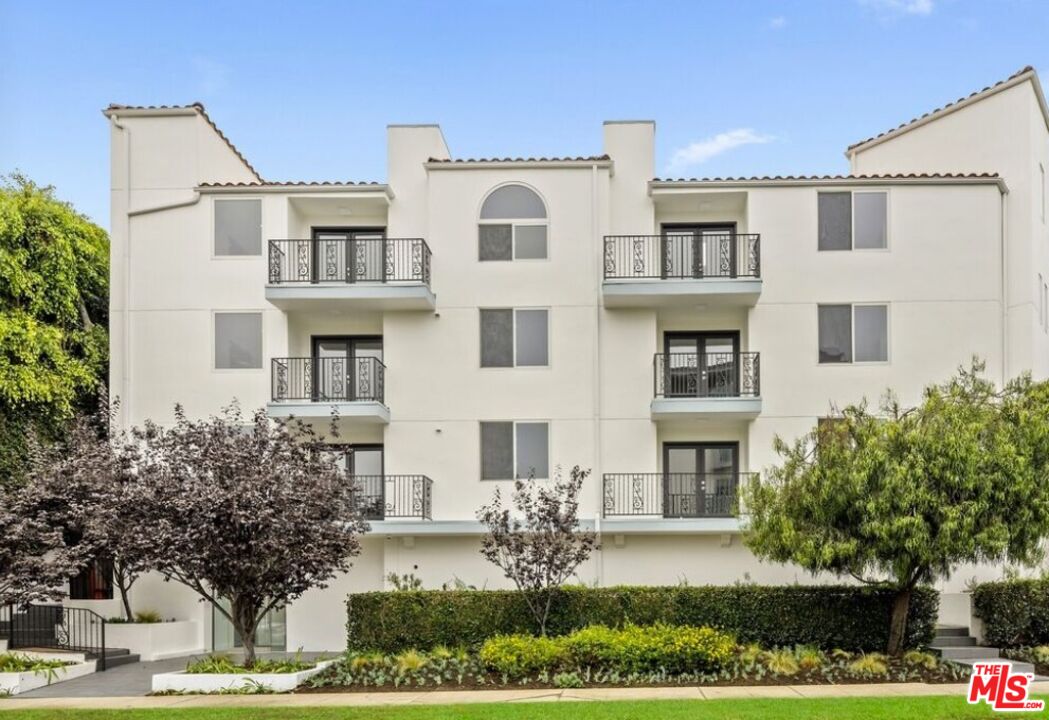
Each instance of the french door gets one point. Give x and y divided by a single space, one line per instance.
701 364
349 255
347 368
695 251
699 479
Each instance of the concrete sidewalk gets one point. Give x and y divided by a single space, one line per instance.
449 697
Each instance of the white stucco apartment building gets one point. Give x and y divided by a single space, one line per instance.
473 320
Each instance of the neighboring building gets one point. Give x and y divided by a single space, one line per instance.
473 320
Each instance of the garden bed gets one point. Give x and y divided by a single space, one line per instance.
219 674
21 673
654 656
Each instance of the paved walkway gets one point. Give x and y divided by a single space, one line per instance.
131 680
446 697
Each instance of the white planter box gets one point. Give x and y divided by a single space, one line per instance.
15 683
203 683
156 641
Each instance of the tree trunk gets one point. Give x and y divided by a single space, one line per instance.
901 605
124 586
245 615
125 600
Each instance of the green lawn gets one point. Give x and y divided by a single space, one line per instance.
927 708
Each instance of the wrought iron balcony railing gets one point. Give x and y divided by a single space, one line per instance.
395 496
707 375
349 260
695 255
672 495
340 379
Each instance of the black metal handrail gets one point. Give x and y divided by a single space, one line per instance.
695 255
395 496
349 260
672 495
55 627
332 378
704 375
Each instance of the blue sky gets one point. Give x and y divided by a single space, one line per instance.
306 89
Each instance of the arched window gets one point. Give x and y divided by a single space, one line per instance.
512 225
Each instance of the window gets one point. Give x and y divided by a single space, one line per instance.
853 333
238 340
94 582
512 450
853 220
514 338
512 226
238 227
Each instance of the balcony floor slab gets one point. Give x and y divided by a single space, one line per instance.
692 408
352 296
687 291
364 411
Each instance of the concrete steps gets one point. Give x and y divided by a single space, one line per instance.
953 642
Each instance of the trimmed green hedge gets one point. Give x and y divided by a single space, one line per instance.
1014 612
828 616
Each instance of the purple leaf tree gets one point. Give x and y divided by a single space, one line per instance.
537 543
248 510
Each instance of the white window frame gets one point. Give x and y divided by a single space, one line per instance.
262 331
514 223
852 225
852 333
263 244
513 461
513 340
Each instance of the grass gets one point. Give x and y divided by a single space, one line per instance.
945 707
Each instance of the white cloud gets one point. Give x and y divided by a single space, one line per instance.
699 152
777 22
896 8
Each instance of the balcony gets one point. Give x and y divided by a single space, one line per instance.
350 273
672 495
309 387
696 386
395 497
682 269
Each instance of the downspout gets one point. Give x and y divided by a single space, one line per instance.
125 367
597 275
1004 286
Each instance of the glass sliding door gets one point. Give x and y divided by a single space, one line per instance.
346 368
701 364
270 635
349 255
699 479
696 251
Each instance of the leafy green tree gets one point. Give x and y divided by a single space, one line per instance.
54 280
905 496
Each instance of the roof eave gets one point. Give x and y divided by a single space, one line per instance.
667 187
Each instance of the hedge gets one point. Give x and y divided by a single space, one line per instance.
827 616
1014 612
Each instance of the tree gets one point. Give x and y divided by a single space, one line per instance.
247 510
903 497
540 546
54 296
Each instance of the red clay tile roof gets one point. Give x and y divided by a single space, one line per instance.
588 158
790 178
1014 76
199 107
291 183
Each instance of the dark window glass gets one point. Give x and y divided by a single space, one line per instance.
238 340
497 338
532 450
497 450
94 582
238 227
496 242
872 333
532 337
835 333
835 221
515 202
871 220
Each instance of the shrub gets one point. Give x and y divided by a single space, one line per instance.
823 616
568 680
781 662
631 650
869 666
520 655
1014 612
